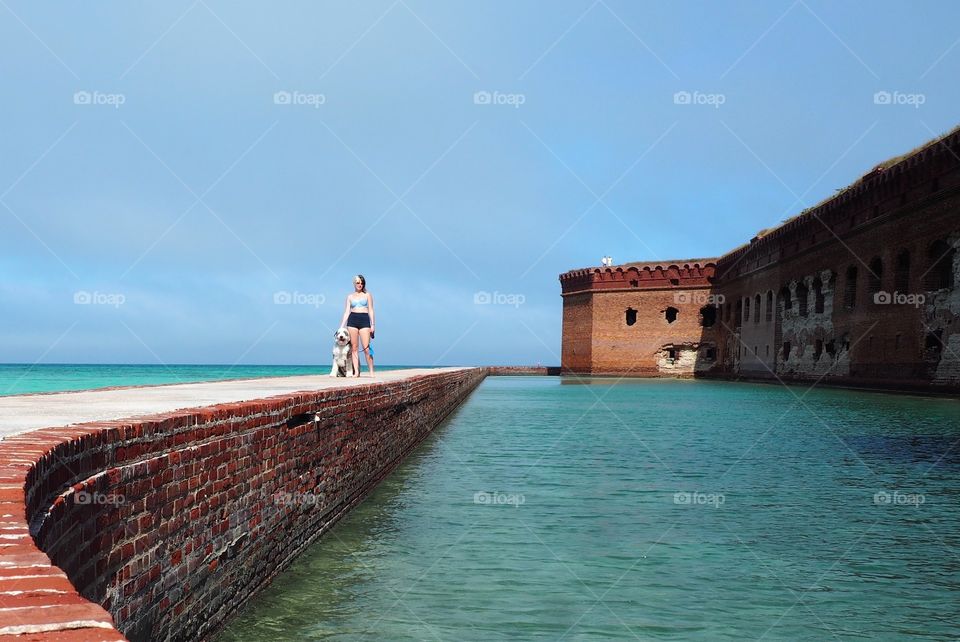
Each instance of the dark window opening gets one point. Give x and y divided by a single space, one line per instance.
831 348
896 342
670 314
768 349
802 299
786 350
711 354
818 299
850 289
674 281
901 274
940 274
738 314
746 309
768 312
631 316
875 276
817 349
634 283
933 341
756 350
672 354
756 309
785 297
708 316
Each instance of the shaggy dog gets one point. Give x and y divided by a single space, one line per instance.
342 363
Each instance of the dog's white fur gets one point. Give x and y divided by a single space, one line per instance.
342 361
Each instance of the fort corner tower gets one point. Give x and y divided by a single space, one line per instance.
640 318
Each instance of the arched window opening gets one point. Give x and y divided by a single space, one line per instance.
708 316
875 277
940 273
803 296
850 288
631 316
738 314
768 311
756 309
817 296
785 297
746 309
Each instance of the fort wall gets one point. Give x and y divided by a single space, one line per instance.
860 290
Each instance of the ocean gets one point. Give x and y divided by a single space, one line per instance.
25 378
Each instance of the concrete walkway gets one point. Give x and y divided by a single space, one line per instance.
22 413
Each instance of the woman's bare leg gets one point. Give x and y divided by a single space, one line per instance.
354 347
365 339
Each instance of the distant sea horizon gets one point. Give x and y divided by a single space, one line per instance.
25 378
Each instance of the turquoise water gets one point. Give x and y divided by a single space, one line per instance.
652 510
25 378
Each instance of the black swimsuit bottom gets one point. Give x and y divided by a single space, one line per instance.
358 320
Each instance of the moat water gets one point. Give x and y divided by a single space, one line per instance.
667 510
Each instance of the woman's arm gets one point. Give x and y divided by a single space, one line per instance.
346 313
373 324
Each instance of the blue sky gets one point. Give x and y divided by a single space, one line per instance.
443 149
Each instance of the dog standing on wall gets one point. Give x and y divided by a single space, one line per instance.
342 363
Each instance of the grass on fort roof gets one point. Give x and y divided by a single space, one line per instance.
887 164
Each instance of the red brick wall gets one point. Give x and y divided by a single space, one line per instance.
905 207
597 338
172 522
576 349
641 348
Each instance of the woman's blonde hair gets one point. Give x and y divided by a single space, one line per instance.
363 282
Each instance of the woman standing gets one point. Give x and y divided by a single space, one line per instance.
358 319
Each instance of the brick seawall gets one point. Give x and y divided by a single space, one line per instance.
162 527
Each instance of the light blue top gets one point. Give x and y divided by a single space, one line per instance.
358 303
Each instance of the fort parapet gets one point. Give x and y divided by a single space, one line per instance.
860 290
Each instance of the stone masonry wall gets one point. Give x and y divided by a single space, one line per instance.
163 527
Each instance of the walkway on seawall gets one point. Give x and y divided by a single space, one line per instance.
21 413
155 512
